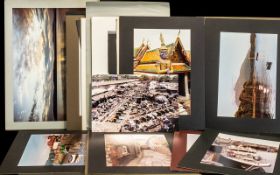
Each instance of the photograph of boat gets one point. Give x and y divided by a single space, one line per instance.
54 150
244 153
135 103
247 75
134 150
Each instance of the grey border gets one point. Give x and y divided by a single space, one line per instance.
213 29
196 120
10 163
198 150
97 159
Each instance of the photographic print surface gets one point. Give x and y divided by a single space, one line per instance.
54 150
137 150
244 153
39 64
191 139
135 103
34 64
164 51
247 75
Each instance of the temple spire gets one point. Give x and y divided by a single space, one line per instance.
162 40
163 46
179 32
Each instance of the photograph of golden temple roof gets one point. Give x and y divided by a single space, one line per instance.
162 51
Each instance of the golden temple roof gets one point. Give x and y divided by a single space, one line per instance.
153 56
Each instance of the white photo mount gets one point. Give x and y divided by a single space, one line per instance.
10 124
112 10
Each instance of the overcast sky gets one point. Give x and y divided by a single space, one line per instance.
36 152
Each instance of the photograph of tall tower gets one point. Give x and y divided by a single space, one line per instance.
247 75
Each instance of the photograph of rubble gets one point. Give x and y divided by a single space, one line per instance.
38 55
247 75
135 103
54 150
164 51
248 154
134 150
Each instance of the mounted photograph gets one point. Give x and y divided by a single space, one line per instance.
167 46
135 103
39 64
242 68
248 154
45 151
35 63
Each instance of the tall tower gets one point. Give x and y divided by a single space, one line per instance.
163 49
253 98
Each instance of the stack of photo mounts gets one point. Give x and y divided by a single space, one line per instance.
144 93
